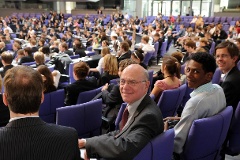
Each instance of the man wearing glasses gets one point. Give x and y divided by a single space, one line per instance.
144 120
227 55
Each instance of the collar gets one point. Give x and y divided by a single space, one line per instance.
16 118
204 88
133 107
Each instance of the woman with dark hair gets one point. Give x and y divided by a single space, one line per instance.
47 78
46 51
79 49
138 57
171 71
80 72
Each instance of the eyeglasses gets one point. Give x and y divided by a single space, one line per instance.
129 82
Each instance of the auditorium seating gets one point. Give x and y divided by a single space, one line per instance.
53 100
170 100
160 147
233 138
206 136
85 118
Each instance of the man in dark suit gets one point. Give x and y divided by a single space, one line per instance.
7 59
26 136
143 123
227 55
125 53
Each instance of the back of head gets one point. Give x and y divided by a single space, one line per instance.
207 60
178 56
39 57
7 57
125 46
105 51
110 64
124 63
191 44
47 76
28 50
172 65
46 50
23 89
81 69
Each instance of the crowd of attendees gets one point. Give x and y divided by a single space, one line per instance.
54 40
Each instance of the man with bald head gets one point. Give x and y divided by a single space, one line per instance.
143 122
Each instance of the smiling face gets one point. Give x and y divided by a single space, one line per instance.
196 76
130 91
224 60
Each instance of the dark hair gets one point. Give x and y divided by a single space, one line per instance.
178 56
138 54
231 48
81 70
191 44
125 46
48 82
207 60
29 51
46 50
172 65
23 88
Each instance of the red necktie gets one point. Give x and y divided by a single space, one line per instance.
124 118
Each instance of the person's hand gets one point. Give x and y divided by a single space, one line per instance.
85 156
81 143
105 87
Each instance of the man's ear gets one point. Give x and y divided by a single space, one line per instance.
209 76
5 99
42 99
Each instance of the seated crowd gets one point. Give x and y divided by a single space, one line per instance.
52 40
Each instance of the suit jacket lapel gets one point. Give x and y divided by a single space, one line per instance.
138 111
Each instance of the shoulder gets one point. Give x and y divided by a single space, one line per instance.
161 84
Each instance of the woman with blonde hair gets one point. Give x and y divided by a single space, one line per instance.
99 68
171 71
110 69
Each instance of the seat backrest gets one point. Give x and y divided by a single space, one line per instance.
85 118
163 48
207 135
45 111
238 65
211 51
233 147
119 116
160 147
150 74
114 81
147 57
168 102
52 101
216 76
87 96
156 46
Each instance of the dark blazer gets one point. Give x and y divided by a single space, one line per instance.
231 87
3 50
80 52
124 56
106 77
146 124
4 113
7 67
70 53
32 138
72 90
26 59
112 96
